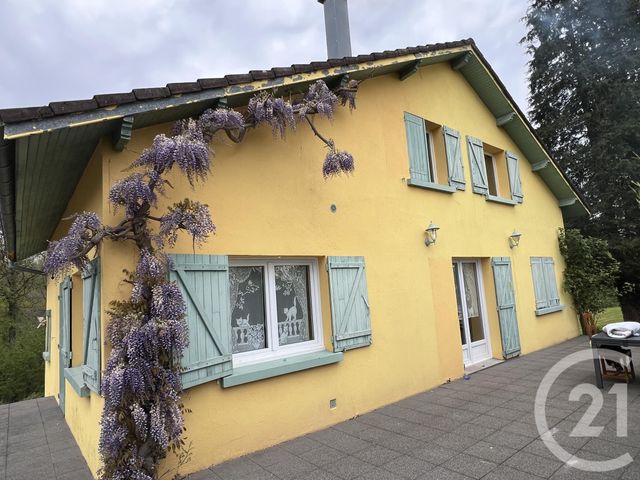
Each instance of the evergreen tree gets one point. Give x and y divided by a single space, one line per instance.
585 103
22 301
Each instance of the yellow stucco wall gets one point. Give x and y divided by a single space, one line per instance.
268 198
82 414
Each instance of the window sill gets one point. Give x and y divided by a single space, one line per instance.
75 379
546 310
431 186
504 201
274 368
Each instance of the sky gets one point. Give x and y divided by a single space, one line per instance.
72 49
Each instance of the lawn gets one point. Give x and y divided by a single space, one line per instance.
610 315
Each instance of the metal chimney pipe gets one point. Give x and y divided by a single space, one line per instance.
336 24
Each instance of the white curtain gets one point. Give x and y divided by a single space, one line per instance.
471 289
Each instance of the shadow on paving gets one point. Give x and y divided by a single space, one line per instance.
483 427
35 443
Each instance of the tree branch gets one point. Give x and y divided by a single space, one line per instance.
329 142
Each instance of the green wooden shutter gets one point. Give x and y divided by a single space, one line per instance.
505 299
64 345
91 365
454 157
553 298
419 169
539 283
204 282
478 168
515 183
349 303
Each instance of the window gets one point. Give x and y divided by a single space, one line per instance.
544 285
46 322
492 174
495 173
275 309
82 337
435 161
256 318
433 173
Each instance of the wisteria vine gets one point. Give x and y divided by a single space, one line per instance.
143 415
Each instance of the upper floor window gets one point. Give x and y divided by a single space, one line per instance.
495 173
435 159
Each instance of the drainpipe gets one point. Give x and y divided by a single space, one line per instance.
336 24
7 197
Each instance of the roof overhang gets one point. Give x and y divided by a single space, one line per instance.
42 159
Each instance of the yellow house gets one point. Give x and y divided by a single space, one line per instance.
317 300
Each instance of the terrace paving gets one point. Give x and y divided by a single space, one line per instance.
480 428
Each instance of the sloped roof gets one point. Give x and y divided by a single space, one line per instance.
44 150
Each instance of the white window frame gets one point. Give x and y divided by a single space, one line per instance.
431 153
274 350
494 167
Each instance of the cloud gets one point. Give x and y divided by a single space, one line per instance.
71 49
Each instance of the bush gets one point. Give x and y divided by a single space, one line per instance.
591 271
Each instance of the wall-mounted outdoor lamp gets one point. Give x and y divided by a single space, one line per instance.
432 234
514 239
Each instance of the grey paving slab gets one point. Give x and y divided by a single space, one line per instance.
35 442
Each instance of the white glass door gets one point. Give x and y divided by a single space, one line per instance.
474 332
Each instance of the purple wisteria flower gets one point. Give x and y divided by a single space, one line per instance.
167 301
188 150
277 112
347 94
131 192
193 217
319 98
140 420
220 119
71 250
337 162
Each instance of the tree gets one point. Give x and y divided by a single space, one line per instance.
22 300
590 273
585 102
142 417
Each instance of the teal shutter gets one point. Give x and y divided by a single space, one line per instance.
539 283
454 157
419 169
64 345
91 366
553 299
505 299
349 303
515 183
204 283
478 169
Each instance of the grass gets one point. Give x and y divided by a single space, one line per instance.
609 315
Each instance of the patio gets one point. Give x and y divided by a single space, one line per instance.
35 442
468 429
483 427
